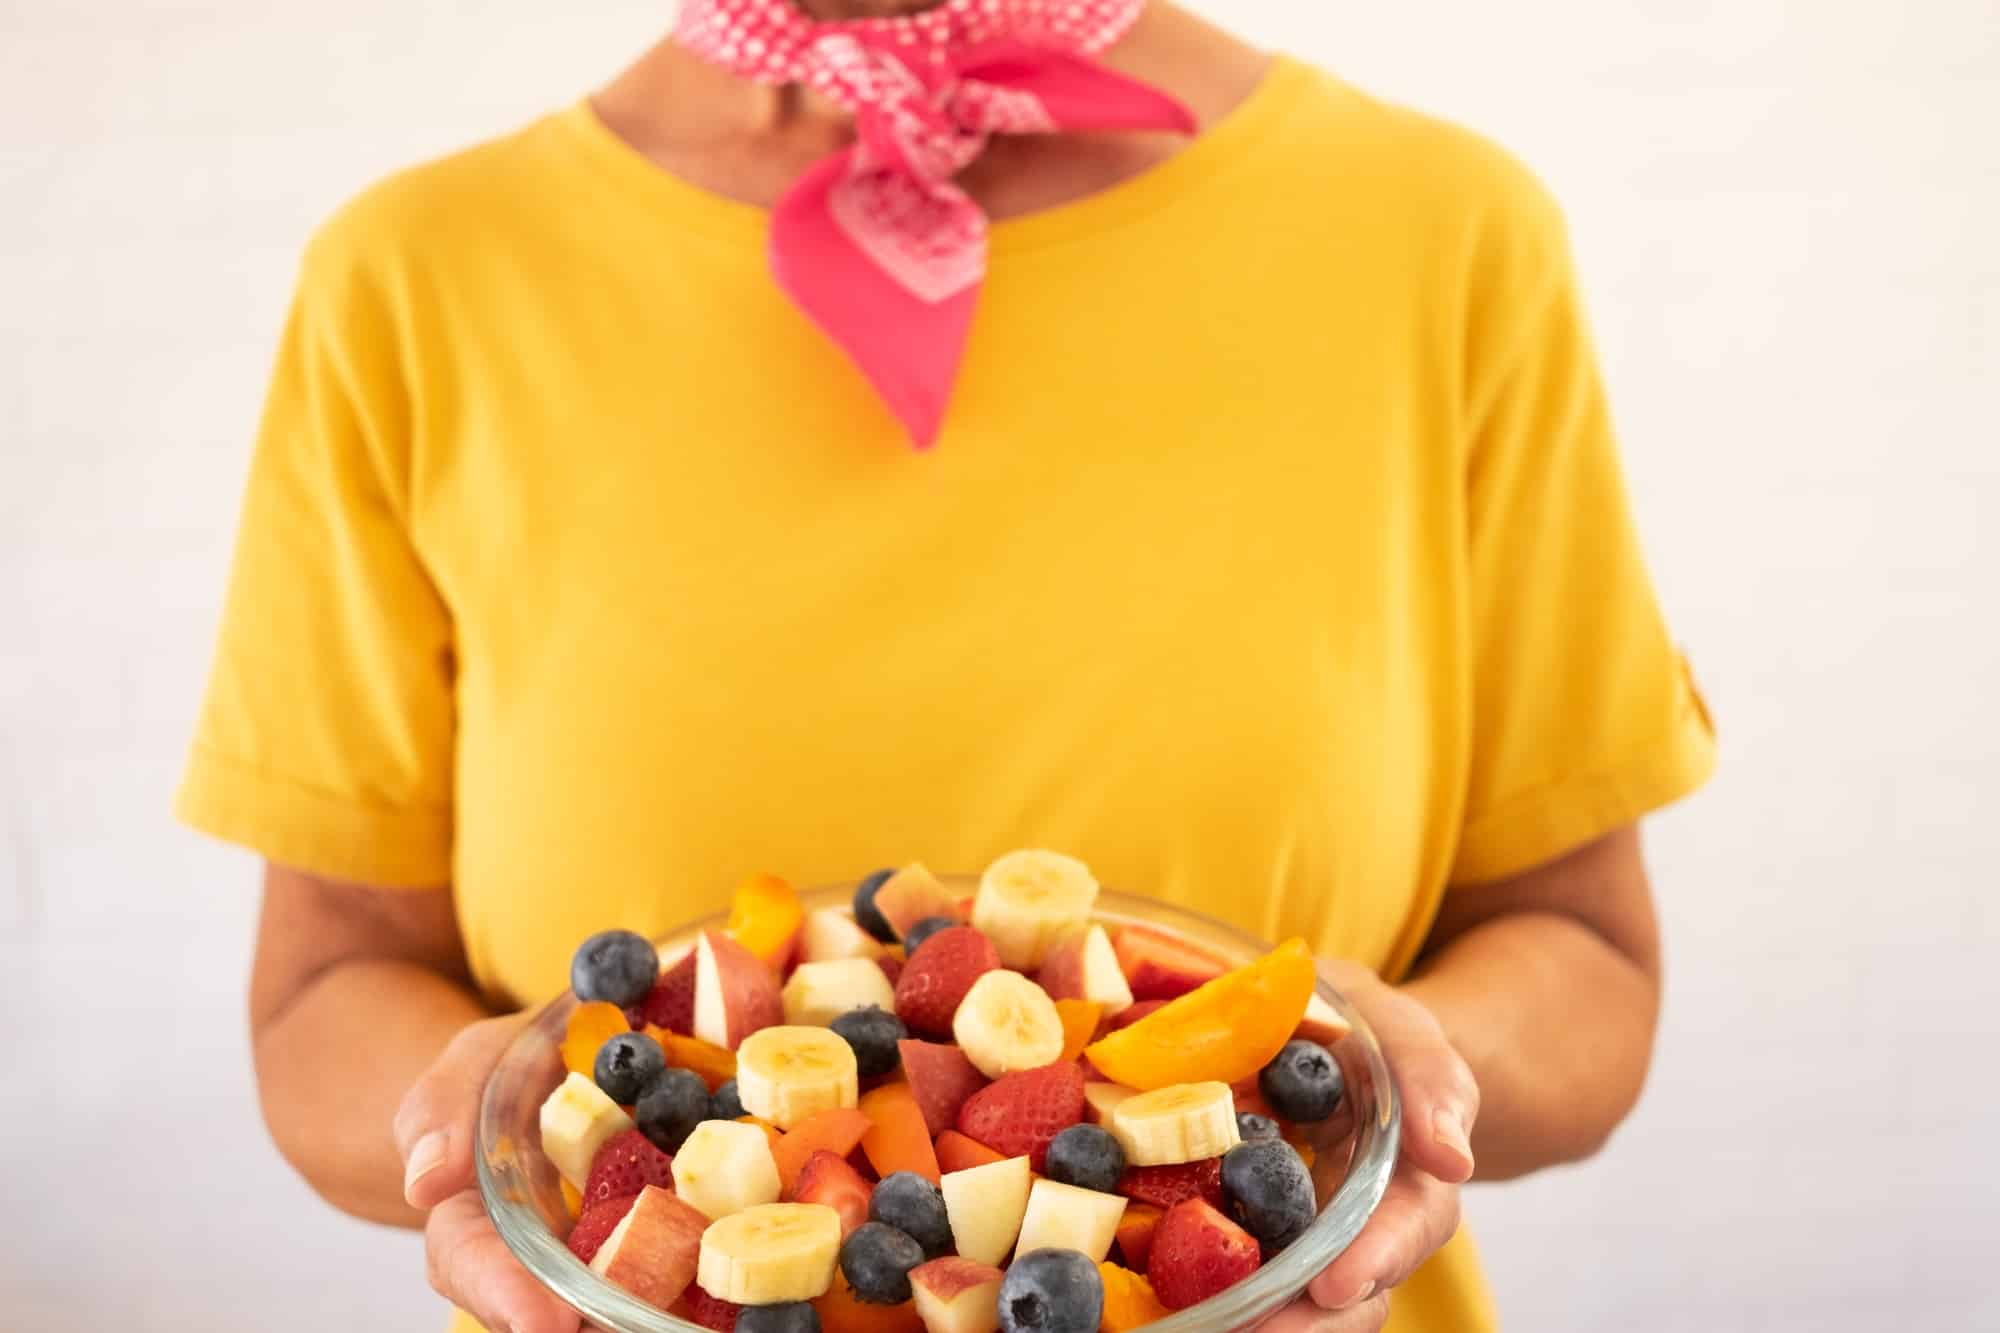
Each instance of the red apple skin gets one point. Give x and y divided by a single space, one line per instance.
910 896
951 1277
955 1295
1325 1028
1062 970
751 997
1159 966
656 1257
941 1077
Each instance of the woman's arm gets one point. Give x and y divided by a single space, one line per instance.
1548 984
354 993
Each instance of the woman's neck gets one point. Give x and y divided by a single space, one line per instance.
749 142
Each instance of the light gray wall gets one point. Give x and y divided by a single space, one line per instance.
1787 215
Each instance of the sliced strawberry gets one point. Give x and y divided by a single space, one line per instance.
626 1164
937 977
698 1307
1165 1186
595 1226
941 1079
1196 1253
670 1004
892 968
828 1179
1020 1113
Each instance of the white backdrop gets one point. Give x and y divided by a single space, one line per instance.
1788 213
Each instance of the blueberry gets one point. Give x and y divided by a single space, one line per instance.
1302 1084
865 914
790 1317
1270 1191
1088 1157
727 1103
626 1064
912 1205
616 967
923 930
670 1107
1051 1291
1250 1125
873 1033
876 1260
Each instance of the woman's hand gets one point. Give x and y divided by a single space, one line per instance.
1419 1212
435 1129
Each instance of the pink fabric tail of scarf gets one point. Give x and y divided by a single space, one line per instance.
877 244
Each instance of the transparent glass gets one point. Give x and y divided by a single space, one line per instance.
1355 1150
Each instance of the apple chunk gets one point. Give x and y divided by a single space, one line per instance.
1063 1217
985 1205
1322 1023
912 894
735 992
957 1295
1101 1099
1085 967
830 934
655 1248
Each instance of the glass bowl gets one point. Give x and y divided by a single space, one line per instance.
1354 1150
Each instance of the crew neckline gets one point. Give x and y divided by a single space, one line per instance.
1225 143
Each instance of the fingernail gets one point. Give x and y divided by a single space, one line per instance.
1367 1289
1448 1128
426 1156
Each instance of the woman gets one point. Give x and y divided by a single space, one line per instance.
1272 557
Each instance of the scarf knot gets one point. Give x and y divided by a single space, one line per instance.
877 244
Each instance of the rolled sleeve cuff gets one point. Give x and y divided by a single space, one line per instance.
294 824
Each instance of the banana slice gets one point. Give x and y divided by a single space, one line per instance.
818 993
785 1074
769 1254
1028 901
1005 1023
1184 1123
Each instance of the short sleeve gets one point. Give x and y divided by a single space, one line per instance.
1585 716
325 737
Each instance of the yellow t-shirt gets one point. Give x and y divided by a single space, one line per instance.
1274 559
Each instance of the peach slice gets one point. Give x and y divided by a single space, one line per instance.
764 917
1222 1031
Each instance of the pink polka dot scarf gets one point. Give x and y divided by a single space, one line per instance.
876 244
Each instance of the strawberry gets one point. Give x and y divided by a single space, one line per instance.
941 1079
938 975
892 968
827 1178
1132 1014
626 1164
1165 1186
1020 1113
595 1226
698 1307
670 1004
1196 1253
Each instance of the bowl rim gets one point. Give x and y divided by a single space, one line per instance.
1377 1145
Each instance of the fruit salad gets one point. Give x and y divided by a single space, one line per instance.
936 1114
